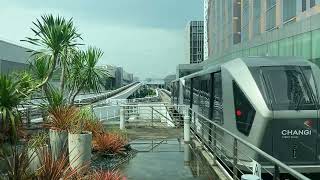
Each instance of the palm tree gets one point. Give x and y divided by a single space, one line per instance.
55 35
39 69
84 73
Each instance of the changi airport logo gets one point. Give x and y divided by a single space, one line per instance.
296 132
308 123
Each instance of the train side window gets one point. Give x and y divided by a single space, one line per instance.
244 112
217 98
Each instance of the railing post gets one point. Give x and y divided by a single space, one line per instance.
276 175
151 116
186 128
214 140
235 158
122 117
194 122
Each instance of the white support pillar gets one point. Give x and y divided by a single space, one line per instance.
122 118
187 155
186 128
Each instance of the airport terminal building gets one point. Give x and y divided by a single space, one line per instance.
13 57
242 28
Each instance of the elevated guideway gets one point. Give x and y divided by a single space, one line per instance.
32 113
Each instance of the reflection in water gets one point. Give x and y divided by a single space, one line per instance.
198 166
164 159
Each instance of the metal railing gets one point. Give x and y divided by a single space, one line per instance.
152 114
232 153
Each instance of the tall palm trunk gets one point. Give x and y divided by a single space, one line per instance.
62 77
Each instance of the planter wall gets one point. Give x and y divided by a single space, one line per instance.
80 149
58 142
35 156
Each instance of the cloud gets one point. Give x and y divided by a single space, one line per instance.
145 51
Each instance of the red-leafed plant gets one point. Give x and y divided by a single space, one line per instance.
107 175
62 117
110 143
60 168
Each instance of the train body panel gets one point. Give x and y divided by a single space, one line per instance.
271 102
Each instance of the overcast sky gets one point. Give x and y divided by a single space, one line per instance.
146 37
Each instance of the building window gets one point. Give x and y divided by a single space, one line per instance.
256 17
244 112
289 10
304 5
271 14
312 3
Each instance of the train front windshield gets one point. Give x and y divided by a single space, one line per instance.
286 87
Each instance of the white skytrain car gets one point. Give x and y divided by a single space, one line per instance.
271 102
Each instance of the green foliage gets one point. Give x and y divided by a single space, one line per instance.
38 140
86 121
54 35
12 93
40 66
83 73
144 91
17 164
55 99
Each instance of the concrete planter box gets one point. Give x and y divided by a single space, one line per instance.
80 149
35 156
58 142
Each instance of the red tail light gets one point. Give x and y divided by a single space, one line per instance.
238 113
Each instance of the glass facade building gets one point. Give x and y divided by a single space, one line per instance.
267 28
194 42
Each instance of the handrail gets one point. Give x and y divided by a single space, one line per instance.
275 162
259 151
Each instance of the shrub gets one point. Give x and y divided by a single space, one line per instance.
94 126
90 121
60 168
62 117
111 143
17 163
107 175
